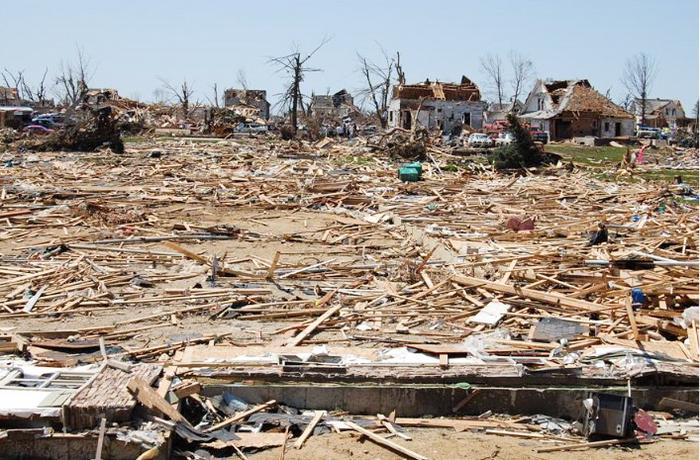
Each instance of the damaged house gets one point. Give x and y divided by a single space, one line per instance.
338 105
498 112
437 105
660 113
254 98
572 108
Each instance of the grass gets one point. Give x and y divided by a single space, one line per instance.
603 157
590 156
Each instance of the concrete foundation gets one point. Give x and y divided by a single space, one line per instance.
438 400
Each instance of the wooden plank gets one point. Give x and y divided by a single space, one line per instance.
311 327
385 442
101 439
241 416
585 445
633 321
553 298
147 396
309 428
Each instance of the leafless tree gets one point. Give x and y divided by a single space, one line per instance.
627 102
378 79
493 68
522 73
215 100
14 81
242 79
638 77
73 79
294 65
25 92
182 93
400 75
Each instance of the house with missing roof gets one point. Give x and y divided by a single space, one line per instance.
437 105
660 113
573 108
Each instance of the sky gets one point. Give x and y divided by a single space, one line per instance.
132 45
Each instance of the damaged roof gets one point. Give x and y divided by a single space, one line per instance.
576 96
466 90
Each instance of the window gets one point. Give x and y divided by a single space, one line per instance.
666 111
607 126
673 112
391 116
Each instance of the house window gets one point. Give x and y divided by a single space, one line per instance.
666 111
467 118
391 116
673 112
439 110
607 126
540 103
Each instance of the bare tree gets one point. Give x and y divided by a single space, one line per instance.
183 94
294 65
400 75
638 77
522 73
73 79
627 102
493 68
242 79
14 81
215 100
378 79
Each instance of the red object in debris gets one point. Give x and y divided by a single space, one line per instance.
645 423
518 225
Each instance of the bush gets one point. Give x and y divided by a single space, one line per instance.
521 153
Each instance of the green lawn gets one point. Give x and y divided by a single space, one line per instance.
605 157
591 156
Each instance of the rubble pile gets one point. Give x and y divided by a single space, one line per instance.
184 293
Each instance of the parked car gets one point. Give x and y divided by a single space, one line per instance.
539 136
45 119
479 140
251 128
504 139
37 129
647 132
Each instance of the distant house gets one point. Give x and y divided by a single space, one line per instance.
15 117
256 98
497 112
437 105
338 105
572 108
660 113
9 96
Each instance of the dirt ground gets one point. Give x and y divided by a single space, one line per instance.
443 444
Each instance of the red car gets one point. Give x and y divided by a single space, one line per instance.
37 129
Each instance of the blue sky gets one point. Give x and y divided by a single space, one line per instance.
133 43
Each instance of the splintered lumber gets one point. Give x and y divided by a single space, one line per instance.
311 327
309 429
586 445
147 396
554 298
242 416
385 442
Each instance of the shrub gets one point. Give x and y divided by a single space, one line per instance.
521 153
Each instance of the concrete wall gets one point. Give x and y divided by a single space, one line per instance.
436 113
626 127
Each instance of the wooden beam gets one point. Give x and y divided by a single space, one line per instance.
309 428
241 416
385 442
311 327
553 298
147 396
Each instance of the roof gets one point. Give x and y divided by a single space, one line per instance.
464 91
15 109
576 96
654 105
